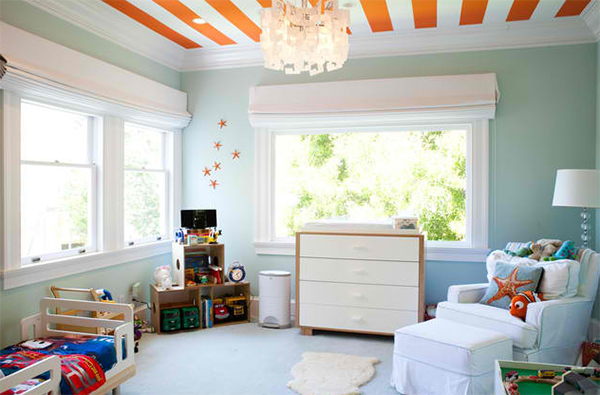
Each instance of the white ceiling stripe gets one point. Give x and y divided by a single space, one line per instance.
546 10
401 13
172 21
448 13
359 25
213 17
497 11
251 8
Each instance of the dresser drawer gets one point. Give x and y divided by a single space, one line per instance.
360 295
360 271
359 247
355 319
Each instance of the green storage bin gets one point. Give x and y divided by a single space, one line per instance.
190 317
170 320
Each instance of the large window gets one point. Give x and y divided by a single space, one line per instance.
58 183
145 184
373 176
436 172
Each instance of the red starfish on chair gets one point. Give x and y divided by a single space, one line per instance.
508 286
206 171
218 145
213 184
217 166
222 123
236 154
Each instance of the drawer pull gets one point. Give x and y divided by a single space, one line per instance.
357 319
360 271
357 295
360 248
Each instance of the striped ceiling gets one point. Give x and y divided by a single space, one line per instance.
230 22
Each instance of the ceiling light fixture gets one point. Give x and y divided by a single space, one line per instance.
199 21
297 39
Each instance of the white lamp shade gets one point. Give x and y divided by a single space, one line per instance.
577 188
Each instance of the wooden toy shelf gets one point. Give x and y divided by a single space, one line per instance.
179 297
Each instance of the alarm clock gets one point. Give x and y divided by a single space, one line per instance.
236 272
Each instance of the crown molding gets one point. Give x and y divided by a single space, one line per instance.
95 17
524 34
99 19
591 16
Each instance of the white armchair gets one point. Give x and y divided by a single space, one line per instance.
552 331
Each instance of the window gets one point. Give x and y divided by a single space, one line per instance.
436 172
58 183
373 176
145 184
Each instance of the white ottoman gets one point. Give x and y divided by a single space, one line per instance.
441 357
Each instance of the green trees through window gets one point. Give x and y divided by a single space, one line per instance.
372 176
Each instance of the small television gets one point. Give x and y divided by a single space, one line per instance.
198 219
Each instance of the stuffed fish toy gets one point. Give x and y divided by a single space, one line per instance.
519 303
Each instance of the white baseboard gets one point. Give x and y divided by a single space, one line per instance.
254 309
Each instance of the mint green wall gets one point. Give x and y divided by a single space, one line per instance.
545 120
27 17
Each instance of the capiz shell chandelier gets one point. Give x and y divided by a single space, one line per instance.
297 39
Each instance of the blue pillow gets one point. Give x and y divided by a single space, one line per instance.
508 280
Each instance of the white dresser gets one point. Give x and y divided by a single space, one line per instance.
351 282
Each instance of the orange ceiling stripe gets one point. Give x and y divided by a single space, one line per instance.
472 12
151 23
572 7
522 10
425 13
186 15
237 17
264 3
377 14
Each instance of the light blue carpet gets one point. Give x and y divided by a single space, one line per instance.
244 359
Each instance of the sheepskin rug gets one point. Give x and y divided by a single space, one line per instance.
321 373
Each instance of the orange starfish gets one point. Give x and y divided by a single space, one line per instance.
206 171
222 123
236 154
213 184
218 145
508 286
217 166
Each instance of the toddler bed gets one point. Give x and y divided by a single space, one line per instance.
59 358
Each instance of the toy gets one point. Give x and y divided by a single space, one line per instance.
162 277
204 280
190 317
544 248
236 273
519 303
221 312
511 376
215 272
170 320
574 383
237 307
566 251
546 374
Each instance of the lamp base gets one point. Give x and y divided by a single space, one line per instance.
584 227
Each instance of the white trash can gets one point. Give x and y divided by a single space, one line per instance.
274 299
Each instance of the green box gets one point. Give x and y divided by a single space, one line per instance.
170 320
190 317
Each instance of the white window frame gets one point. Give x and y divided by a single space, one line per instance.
111 248
474 248
166 174
92 244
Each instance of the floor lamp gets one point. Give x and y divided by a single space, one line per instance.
578 188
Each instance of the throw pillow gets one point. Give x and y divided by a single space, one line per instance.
507 281
560 279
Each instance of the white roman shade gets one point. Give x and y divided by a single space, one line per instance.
45 70
471 96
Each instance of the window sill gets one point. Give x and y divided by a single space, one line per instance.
50 270
455 254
